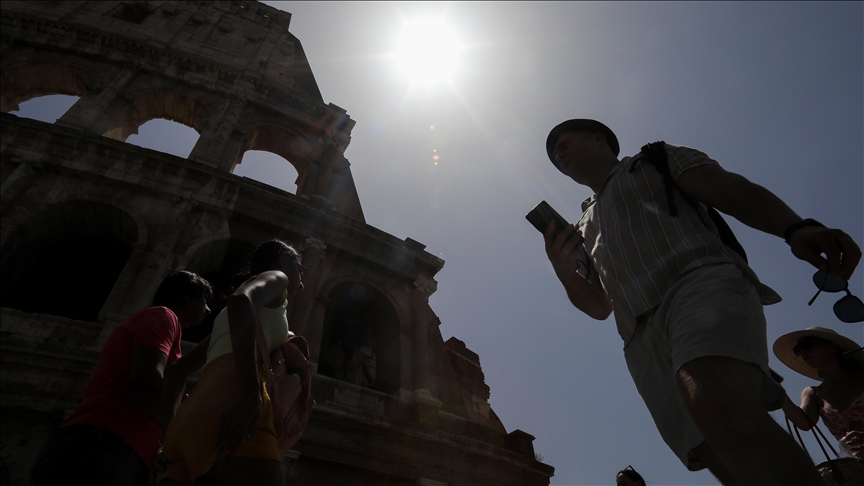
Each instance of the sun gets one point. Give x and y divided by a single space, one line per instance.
427 51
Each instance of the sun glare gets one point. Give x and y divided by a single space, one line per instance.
427 52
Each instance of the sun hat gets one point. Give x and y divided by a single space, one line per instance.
579 125
784 344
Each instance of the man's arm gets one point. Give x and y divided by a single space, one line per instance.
563 253
174 384
759 208
148 367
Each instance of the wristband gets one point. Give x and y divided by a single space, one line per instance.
792 228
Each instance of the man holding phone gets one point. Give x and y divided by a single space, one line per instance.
687 306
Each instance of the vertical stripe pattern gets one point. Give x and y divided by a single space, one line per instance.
636 248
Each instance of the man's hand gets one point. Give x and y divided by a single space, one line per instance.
841 253
560 249
564 254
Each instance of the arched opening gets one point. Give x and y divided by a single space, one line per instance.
65 261
361 341
221 263
165 136
46 108
275 155
268 168
173 108
34 80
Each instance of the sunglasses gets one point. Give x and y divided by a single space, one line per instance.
301 269
849 308
806 344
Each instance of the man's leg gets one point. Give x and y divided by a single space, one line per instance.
723 398
708 457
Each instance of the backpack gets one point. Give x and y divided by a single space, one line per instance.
288 377
655 154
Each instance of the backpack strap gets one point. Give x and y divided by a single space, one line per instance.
655 154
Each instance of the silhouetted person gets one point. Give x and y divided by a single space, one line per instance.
113 436
687 306
223 433
629 477
838 363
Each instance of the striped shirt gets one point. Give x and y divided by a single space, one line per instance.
635 250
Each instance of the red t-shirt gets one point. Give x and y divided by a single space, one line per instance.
108 402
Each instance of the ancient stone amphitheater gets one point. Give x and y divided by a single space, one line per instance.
91 224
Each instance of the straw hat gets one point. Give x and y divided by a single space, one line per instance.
784 344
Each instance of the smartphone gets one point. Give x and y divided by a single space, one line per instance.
542 214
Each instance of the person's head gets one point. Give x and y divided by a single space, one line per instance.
277 255
186 294
816 348
629 477
583 149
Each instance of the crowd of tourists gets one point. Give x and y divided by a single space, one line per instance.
135 425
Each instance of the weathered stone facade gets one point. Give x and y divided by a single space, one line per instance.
91 224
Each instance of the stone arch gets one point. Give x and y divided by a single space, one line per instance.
117 199
28 81
327 288
361 339
66 260
219 260
171 105
283 141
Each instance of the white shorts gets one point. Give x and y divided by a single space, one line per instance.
711 311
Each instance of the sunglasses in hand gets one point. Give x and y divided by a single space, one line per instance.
847 309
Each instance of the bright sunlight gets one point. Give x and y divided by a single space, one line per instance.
427 52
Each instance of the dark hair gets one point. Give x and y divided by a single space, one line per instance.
632 475
268 256
181 284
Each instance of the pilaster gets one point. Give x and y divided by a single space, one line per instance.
92 107
313 256
424 404
214 145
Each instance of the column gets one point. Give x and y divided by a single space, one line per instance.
424 405
160 256
305 299
212 146
17 183
85 114
111 314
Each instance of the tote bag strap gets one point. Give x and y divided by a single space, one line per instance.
838 475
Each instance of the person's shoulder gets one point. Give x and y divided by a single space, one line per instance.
158 315
682 149
159 312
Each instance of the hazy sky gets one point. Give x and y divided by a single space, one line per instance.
773 91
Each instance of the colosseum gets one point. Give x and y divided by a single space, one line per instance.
91 224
